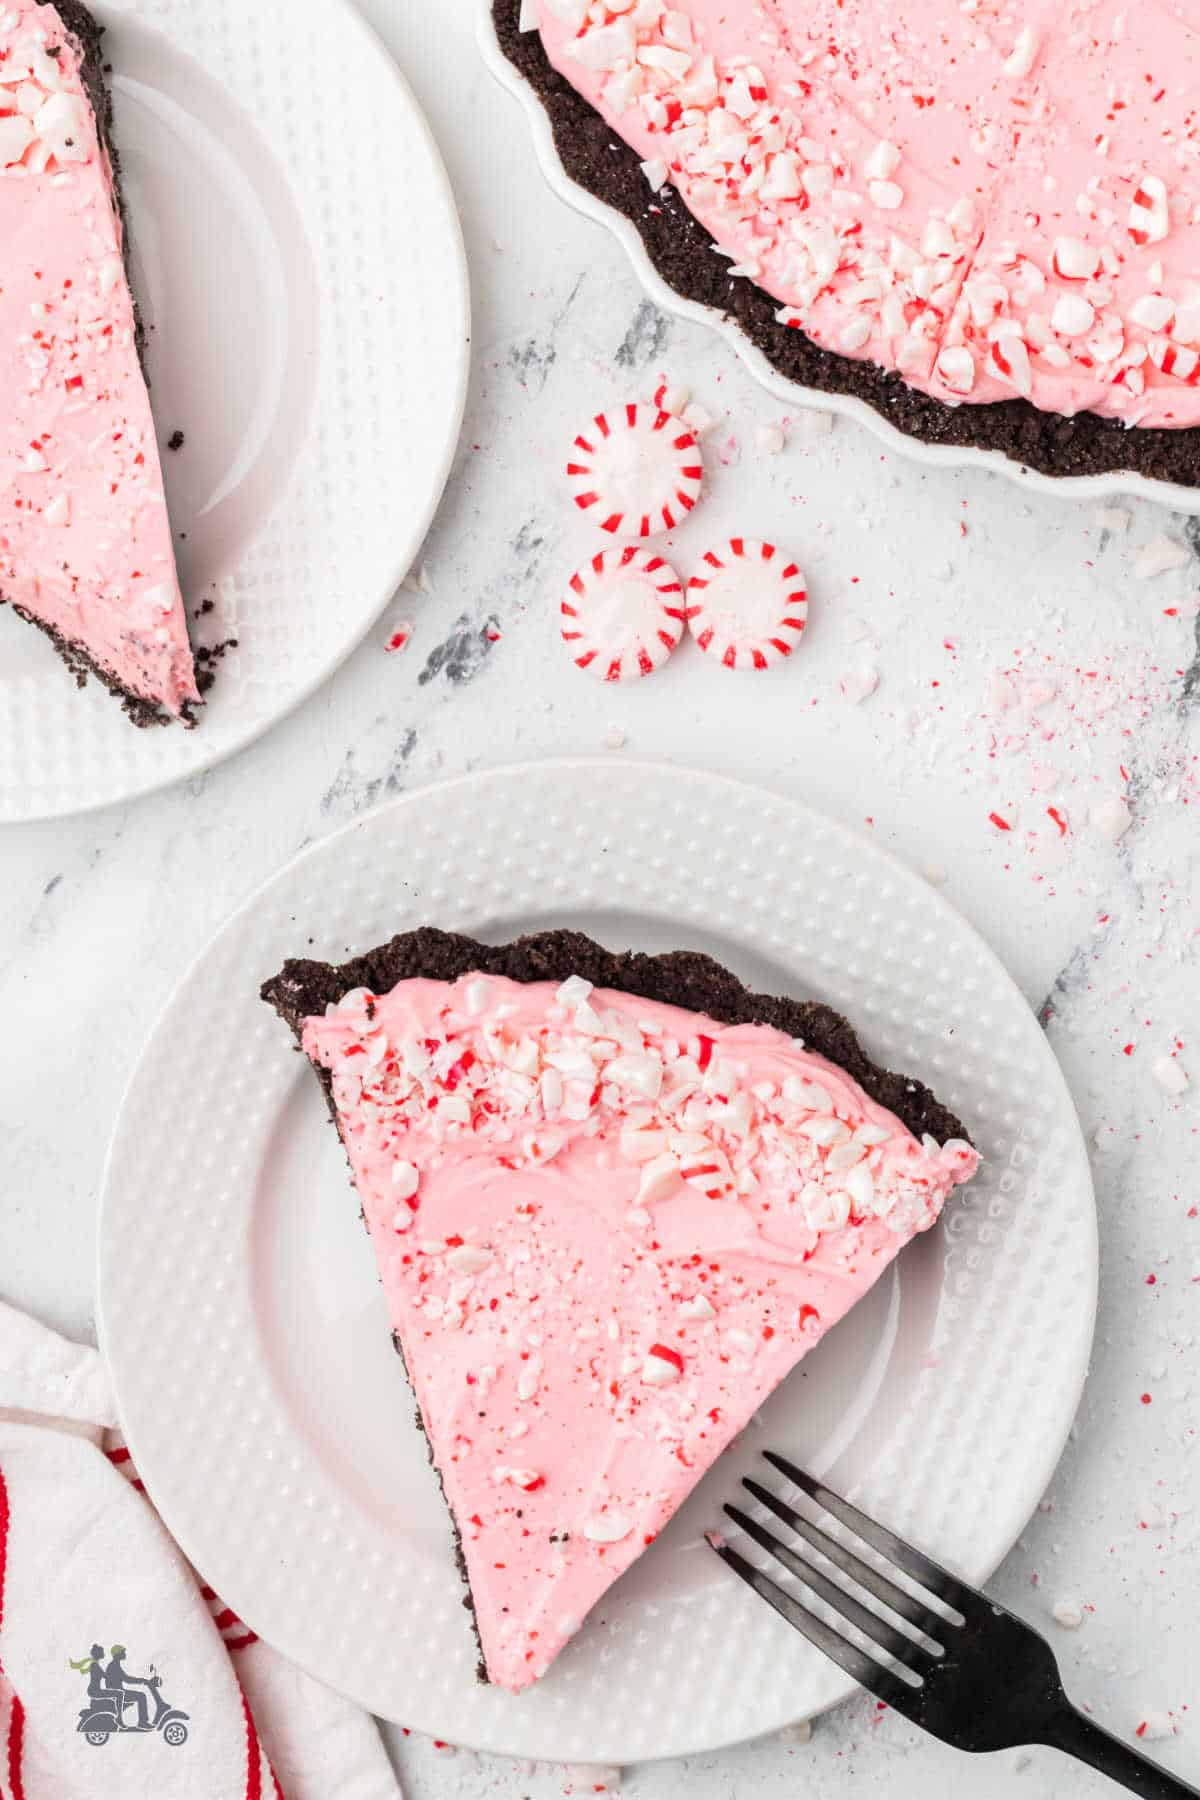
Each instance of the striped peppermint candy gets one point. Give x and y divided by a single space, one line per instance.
748 605
623 613
1149 211
636 470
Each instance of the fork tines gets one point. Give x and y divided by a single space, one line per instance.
905 1641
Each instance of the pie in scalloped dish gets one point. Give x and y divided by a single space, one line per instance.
982 219
614 1199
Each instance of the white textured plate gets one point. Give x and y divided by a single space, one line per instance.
1080 487
315 364
245 1327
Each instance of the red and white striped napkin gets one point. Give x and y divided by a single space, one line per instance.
97 1601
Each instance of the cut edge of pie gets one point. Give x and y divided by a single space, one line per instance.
86 553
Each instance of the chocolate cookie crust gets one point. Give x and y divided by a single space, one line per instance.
136 707
683 978
683 253
87 33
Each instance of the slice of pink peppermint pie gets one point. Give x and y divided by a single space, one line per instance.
85 541
614 1200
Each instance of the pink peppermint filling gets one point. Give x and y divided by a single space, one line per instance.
991 204
85 542
606 1229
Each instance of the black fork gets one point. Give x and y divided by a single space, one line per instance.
949 1659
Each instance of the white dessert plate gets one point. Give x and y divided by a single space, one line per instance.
302 276
1080 487
244 1325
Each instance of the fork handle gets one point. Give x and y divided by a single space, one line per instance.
1081 1737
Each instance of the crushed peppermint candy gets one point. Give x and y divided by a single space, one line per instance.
662 1366
698 1307
669 397
468 1259
528 1479
1170 1075
1155 1726
405 1180
607 1528
656 172
857 685
676 1112
1149 213
1024 54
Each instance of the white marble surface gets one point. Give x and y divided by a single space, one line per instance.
940 583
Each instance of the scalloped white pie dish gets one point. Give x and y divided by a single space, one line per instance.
1076 487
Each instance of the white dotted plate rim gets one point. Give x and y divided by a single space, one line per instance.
334 547
630 850
943 456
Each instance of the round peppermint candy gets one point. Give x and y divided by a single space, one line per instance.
636 470
747 605
623 613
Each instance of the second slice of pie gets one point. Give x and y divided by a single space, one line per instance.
614 1200
85 541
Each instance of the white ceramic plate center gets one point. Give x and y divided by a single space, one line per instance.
231 275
